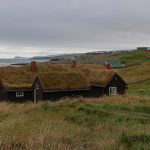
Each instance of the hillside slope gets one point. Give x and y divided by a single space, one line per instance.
137 72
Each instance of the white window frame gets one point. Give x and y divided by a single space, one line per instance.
20 94
113 91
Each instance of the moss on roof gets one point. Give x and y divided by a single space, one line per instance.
55 77
14 78
63 81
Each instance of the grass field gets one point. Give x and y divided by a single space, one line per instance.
107 123
103 123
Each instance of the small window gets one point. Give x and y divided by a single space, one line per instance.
19 94
113 91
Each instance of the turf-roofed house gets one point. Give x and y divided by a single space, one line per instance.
51 82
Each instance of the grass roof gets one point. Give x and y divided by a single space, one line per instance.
63 80
14 78
55 77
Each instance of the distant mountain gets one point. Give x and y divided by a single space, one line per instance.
68 56
61 56
19 57
43 57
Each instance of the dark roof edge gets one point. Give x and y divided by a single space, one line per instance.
98 85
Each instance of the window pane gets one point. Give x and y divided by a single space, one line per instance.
19 94
112 90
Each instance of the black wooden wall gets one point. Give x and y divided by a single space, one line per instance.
60 94
116 82
28 96
3 92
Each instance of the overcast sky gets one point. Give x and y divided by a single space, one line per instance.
43 27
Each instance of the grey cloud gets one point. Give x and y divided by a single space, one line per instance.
91 24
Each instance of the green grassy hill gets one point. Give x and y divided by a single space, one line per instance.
128 58
90 124
137 72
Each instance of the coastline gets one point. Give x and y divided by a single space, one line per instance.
19 62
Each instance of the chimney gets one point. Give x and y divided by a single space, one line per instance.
33 66
73 62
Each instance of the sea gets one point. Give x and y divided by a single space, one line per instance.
17 62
